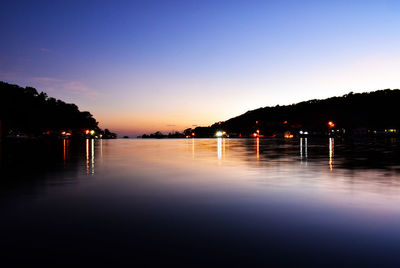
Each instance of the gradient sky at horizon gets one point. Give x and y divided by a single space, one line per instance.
142 66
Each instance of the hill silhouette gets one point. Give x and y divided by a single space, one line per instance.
351 114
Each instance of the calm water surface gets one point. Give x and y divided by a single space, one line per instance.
202 202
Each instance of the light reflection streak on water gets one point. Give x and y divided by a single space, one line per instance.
92 157
64 149
87 157
306 147
258 148
192 148
219 148
331 152
301 148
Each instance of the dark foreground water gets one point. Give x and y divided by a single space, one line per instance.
202 202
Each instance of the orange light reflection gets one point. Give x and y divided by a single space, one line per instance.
87 157
331 152
258 149
219 148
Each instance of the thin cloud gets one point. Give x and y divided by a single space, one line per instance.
9 76
45 50
52 84
81 89
46 79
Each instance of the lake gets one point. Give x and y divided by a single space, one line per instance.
201 202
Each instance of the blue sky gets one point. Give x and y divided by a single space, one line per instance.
141 66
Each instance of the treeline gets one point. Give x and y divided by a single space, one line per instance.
24 110
160 135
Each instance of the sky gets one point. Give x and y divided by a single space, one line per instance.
143 66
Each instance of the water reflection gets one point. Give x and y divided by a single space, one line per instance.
219 148
92 157
306 147
303 148
66 150
331 152
101 148
268 152
193 141
351 213
89 156
224 140
257 141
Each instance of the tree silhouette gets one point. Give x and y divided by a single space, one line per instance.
24 110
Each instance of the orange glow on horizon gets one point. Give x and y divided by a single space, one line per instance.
141 123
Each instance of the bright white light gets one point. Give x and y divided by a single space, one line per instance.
301 131
305 133
219 134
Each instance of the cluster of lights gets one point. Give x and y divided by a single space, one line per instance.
91 132
220 133
257 133
192 135
288 136
65 133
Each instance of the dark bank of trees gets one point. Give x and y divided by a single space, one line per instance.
352 114
25 111
160 135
